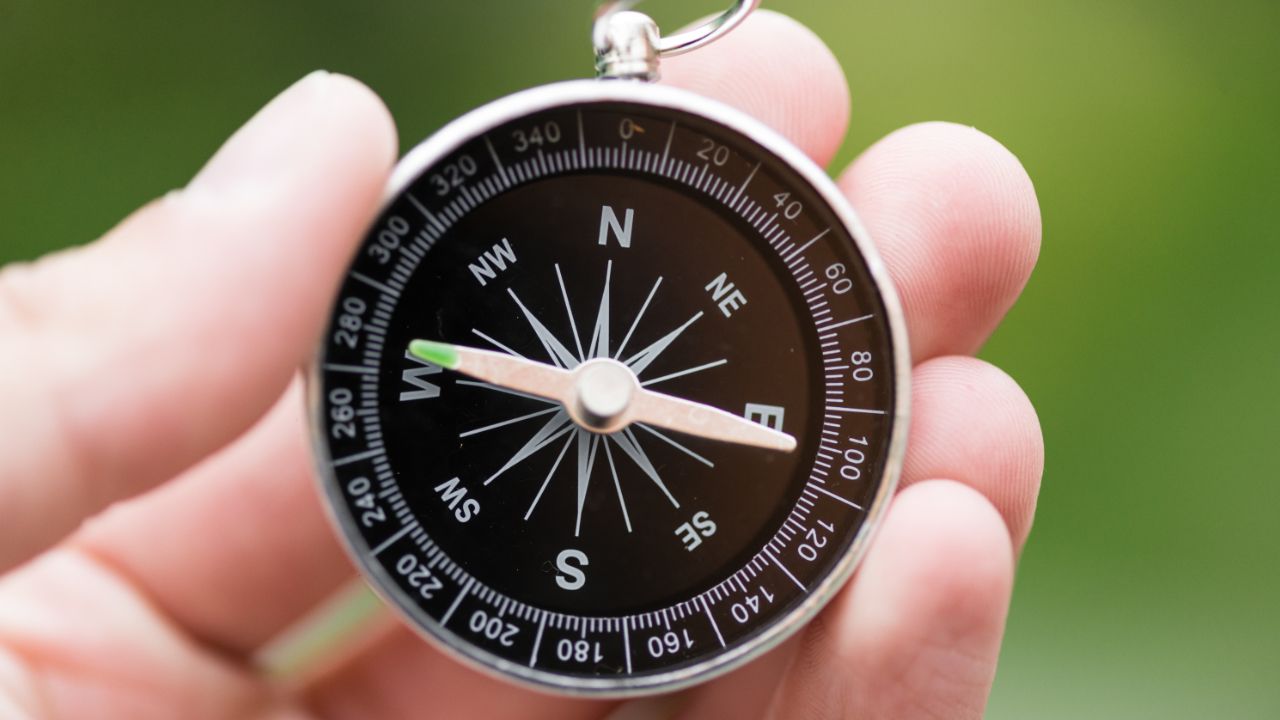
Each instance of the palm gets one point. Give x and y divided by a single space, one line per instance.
153 608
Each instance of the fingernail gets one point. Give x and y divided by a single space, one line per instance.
261 151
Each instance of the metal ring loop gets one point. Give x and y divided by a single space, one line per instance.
694 38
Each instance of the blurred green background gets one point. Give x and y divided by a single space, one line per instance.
1148 337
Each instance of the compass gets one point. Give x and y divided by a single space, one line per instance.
613 391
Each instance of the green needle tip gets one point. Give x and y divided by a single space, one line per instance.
436 353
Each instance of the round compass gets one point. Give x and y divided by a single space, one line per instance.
613 391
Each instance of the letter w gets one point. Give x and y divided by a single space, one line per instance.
416 376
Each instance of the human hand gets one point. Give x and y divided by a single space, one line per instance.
138 370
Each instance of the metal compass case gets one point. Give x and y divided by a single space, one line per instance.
614 391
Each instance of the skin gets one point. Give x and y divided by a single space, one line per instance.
157 516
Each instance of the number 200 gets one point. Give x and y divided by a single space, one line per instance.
494 628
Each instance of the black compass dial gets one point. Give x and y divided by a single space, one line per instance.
701 266
545 486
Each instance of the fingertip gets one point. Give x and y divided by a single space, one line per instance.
917 634
996 186
953 541
200 307
356 95
972 422
941 535
288 196
777 70
366 122
276 144
956 218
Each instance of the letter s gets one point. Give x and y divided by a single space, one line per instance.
575 577
469 509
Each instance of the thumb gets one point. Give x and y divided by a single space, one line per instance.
123 362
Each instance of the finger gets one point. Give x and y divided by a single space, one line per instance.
972 423
402 677
957 222
274 557
130 359
83 645
953 212
778 71
917 634
742 694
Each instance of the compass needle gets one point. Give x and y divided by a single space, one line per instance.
708 422
510 372
748 422
602 383
436 353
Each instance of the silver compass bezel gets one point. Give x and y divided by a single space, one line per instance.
577 92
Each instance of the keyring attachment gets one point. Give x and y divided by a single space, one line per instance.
629 45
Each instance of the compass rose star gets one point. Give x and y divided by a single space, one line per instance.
561 424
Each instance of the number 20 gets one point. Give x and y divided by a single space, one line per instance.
713 152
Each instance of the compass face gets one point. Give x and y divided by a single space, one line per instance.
632 224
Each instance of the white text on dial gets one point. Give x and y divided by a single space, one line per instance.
726 295
692 532
415 377
491 262
455 496
609 224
